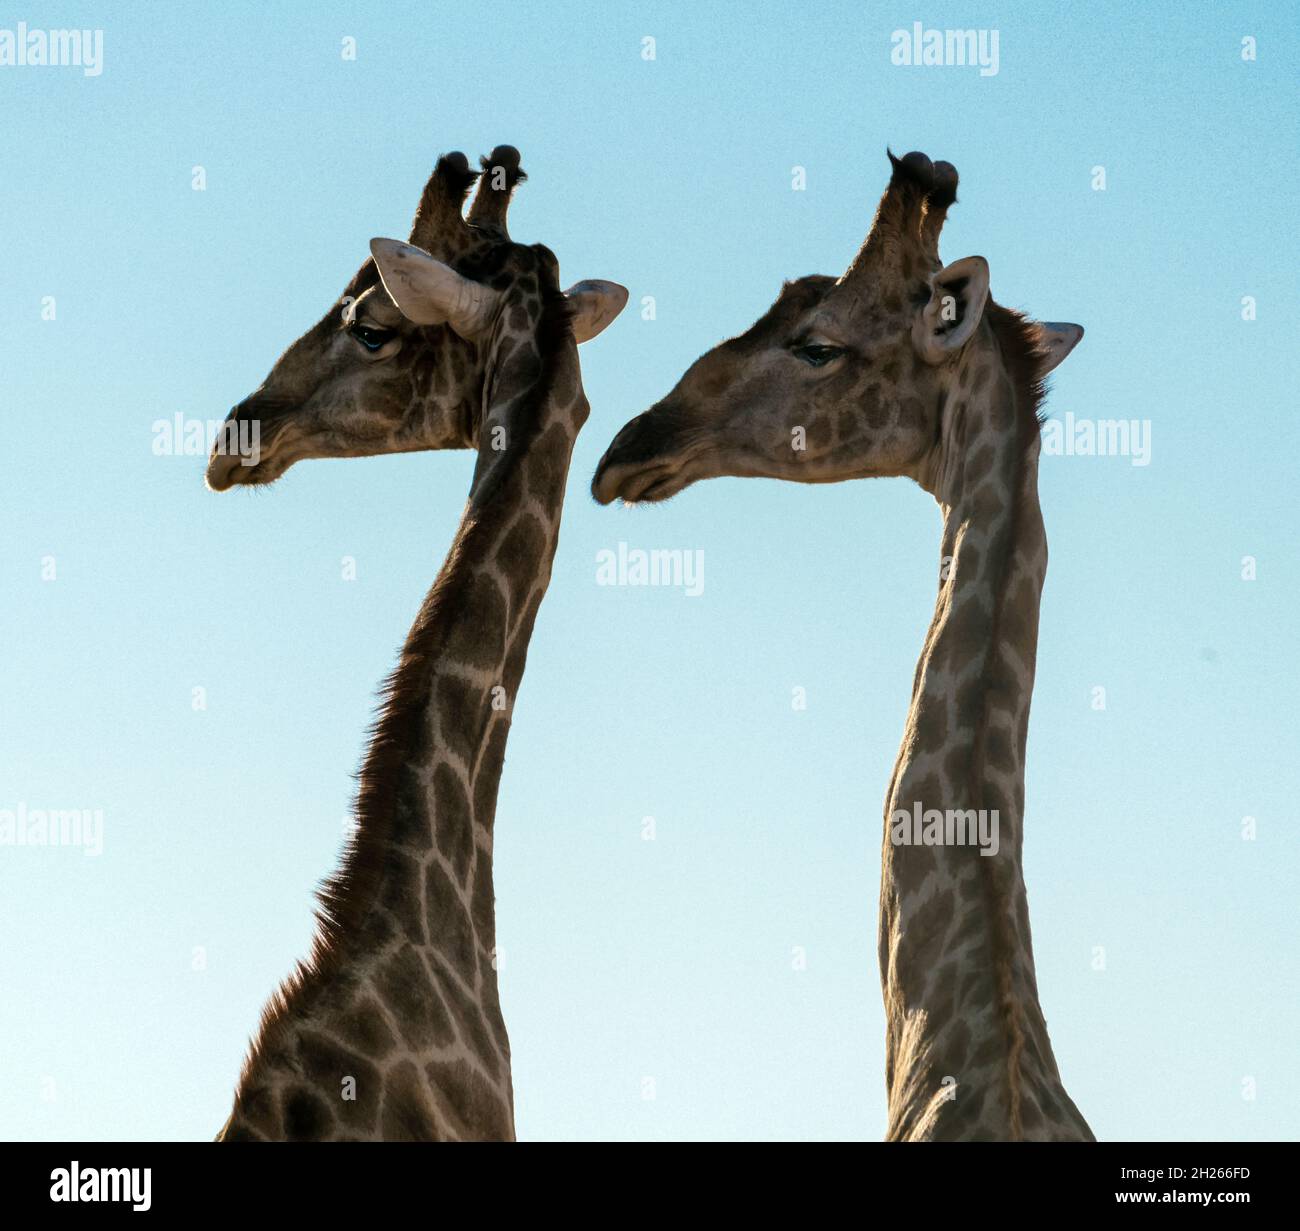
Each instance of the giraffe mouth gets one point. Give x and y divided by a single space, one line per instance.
647 459
637 484
266 461
660 486
227 471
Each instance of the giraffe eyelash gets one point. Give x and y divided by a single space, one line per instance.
816 354
372 337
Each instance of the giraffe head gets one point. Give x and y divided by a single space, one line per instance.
429 340
842 378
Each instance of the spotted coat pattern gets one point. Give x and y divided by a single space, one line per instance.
844 378
392 1029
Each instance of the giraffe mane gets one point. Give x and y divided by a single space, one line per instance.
345 896
1022 360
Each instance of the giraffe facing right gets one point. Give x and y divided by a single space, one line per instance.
904 366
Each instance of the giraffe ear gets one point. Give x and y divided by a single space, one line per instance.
427 292
1056 340
594 304
958 293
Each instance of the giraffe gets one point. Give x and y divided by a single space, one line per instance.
392 1028
904 366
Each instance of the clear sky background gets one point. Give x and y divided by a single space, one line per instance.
671 960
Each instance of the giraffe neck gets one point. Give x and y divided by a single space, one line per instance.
393 1030
968 1054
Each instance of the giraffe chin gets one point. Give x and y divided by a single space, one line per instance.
647 485
659 490
225 471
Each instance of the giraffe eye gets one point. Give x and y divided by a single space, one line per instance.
371 337
817 356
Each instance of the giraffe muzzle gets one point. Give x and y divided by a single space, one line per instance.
241 454
641 463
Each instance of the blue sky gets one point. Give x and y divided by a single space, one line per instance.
626 959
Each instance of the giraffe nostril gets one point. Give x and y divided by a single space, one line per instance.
627 434
249 408
646 436
635 443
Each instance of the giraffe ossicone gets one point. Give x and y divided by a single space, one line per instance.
903 366
392 1028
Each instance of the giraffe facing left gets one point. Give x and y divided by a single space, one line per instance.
460 338
905 366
